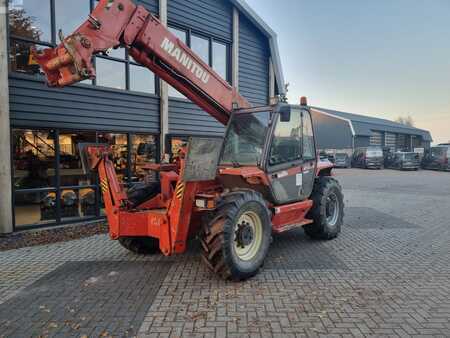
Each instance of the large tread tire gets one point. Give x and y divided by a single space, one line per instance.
321 229
218 236
140 245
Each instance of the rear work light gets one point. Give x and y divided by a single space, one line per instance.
205 203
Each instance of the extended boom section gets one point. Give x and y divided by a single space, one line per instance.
120 23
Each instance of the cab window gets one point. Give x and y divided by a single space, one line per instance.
309 151
287 140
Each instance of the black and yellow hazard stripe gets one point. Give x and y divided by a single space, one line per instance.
104 185
179 190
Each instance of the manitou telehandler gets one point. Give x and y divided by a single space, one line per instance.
264 177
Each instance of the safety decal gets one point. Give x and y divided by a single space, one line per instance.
104 185
179 190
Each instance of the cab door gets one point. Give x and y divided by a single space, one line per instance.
291 161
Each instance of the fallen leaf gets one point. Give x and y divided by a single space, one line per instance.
52 325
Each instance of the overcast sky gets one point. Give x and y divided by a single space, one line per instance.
384 58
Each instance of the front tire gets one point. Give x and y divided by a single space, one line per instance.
236 240
327 211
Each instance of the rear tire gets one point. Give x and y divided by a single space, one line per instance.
236 240
140 245
327 211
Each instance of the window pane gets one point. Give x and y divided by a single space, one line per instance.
30 19
35 208
308 138
142 80
119 146
286 144
34 168
182 35
244 143
118 53
71 169
110 73
200 46
220 59
176 143
34 159
69 14
75 203
144 151
20 57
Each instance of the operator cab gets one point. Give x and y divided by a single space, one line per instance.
279 141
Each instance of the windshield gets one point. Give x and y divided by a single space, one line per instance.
411 156
438 151
341 156
245 139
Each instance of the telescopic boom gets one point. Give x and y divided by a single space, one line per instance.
120 23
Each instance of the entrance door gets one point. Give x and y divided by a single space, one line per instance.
292 160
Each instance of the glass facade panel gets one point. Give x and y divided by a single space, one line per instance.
200 46
30 19
110 73
118 53
182 35
142 80
69 14
20 59
119 146
144 150
220 59
34 177
37 208
40 174
34 159
70 167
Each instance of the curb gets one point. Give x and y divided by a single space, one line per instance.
51 235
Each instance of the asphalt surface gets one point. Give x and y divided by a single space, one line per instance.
388 274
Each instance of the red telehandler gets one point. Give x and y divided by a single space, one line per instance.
264 177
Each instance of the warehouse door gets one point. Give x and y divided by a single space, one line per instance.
376 139
402 142
390 141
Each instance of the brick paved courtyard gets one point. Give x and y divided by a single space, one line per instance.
388 274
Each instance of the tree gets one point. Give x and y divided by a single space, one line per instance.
21 24
407 121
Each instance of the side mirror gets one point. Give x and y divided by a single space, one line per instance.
285 114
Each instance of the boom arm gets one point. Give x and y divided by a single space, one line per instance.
120 23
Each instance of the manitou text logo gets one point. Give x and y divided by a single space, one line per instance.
184 59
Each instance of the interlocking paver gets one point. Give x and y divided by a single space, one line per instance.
388 274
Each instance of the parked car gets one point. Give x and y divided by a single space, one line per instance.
324 156
438 158
342 161
368 158
404 161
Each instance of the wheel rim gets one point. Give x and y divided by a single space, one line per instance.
332 209
248 236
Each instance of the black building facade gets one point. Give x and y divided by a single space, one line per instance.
122 107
